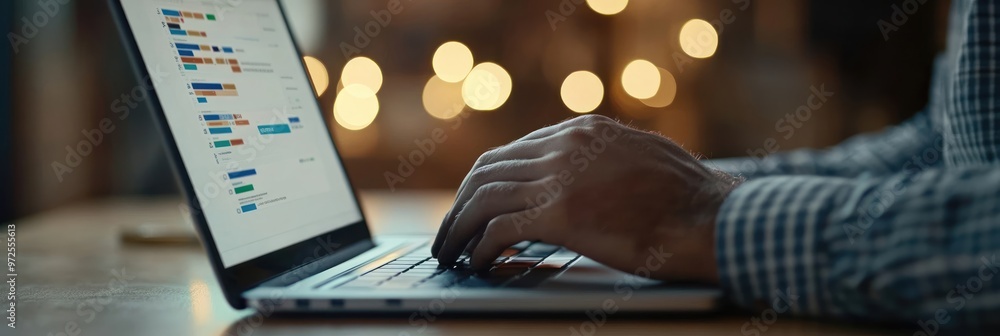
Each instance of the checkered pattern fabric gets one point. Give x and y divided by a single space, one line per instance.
902 225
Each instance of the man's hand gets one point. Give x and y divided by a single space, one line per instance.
594 186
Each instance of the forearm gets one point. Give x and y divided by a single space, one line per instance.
898 248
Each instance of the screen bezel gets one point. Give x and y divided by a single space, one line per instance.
241 277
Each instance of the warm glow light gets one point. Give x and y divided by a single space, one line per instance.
487 87
582 91
641 79
667 92
201 301
607 7
699 39
443 100
452 62
364 71
317 71
356 107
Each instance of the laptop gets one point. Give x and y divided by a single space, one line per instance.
273 204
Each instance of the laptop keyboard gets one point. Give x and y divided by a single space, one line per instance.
523 265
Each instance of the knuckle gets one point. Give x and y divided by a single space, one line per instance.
481 174
579 134
496 226
592 119
491 190
487 157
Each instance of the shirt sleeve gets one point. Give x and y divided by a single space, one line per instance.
881 153
915 247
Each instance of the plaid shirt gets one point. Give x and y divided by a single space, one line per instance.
903 225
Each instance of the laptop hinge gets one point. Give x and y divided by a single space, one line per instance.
319 265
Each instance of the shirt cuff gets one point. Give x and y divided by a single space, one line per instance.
769 242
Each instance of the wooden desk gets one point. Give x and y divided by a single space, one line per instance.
67 258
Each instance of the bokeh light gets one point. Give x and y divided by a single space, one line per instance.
699 39
641 79
363 71
452 62
667 92
317 71
607 7
487 87
356 107
582 91
443 100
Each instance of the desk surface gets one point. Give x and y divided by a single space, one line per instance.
67 258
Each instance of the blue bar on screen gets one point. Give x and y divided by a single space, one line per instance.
227 50
206 86
188 46
242 173
293 119
220 130
248 207
178 32
274 129
202 100
170 12
188 53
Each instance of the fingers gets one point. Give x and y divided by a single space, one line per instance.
504 171
509 229
489 201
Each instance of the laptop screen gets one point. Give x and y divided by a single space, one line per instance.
240 108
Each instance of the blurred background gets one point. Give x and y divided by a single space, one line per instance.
716 76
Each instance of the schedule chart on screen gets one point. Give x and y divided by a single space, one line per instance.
240 108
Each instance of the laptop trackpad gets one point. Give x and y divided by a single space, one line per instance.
586 274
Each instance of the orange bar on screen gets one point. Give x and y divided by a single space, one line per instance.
194 60
207 60
229 86
236 142
218 123
187 14
199 16
205 48
242 122
237 69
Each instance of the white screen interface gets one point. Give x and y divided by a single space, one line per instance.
242 113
